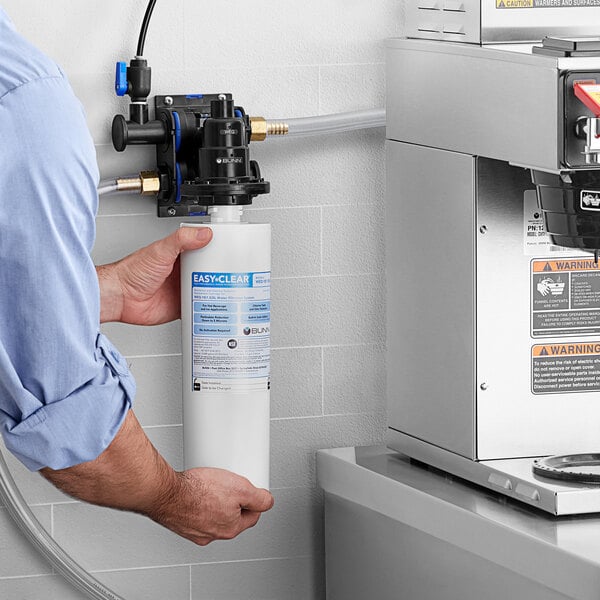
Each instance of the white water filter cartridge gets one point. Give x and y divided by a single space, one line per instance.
225 314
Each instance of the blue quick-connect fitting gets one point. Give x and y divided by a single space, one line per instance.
121 84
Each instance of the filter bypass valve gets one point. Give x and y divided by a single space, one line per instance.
202 145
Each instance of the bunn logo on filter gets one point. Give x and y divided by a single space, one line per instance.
590 200
256 330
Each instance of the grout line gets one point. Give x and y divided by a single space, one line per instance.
356 345
310 346
184 42
110 216
246 560
320 205
329 275
152 355
322 381
190 565
345 414
321 238
47 504
319 86
32 576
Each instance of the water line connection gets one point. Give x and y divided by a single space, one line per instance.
148 182
328 124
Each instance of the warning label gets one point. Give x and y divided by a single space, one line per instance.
559 368
546 3
514 3
565 297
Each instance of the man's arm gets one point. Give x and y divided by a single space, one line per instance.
201 505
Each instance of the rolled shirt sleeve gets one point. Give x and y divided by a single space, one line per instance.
64 389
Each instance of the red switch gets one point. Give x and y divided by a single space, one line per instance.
589 93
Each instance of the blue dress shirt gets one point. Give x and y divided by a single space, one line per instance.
64 389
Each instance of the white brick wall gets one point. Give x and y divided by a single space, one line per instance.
279 59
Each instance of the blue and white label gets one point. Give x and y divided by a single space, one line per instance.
231 324
231 280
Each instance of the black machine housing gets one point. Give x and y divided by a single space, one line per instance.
202 153
570 199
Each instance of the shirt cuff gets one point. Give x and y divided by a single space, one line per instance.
81 426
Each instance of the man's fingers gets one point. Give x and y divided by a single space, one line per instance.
258 500
249 519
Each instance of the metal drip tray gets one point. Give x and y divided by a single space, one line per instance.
581 468
516 477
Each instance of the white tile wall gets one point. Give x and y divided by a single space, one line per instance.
297 384
106 540
279 59
295 578
19 558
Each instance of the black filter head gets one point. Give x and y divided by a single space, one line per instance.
570 203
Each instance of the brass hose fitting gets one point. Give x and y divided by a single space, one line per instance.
150 183
261 128
129 184
146 183
277 128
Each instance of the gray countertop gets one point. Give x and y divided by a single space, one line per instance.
562 553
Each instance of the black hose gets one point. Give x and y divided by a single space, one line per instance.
144 28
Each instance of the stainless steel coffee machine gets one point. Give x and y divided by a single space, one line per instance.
492 239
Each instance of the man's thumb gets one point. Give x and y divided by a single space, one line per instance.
193 238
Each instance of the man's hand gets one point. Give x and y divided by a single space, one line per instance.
201 505
143 288
212 504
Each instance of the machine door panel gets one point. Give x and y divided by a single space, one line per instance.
538 328
430 295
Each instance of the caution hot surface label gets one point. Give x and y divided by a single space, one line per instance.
508 4
560 368
565 297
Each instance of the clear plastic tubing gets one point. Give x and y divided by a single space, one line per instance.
108 186
32 529
336 123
